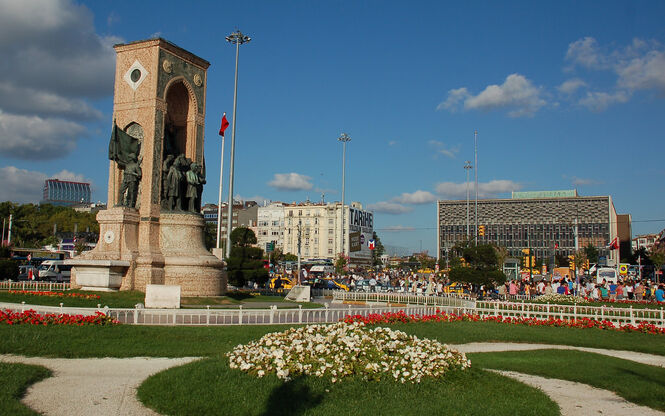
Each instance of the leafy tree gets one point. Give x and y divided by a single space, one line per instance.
426 262
340 264
591 253
245 262
482 266
658 259
242 237
378 249
290 257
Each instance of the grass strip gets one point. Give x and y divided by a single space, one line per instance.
465 332
154 341
128 299
209 387
638 383
15 380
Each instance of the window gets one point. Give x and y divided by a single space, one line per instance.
330 231
330 221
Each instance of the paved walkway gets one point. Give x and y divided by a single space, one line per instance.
107 386
94 386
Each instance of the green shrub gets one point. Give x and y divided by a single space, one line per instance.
8 269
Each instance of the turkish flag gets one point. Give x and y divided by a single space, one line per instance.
225 124
615 244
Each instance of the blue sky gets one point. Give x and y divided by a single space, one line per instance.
563 95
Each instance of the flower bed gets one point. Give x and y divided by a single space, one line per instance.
30 317
401 317
559 298
346 349
53 294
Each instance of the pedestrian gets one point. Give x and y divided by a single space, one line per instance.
660 294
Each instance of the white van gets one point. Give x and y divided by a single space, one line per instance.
55 271
609 274
321 271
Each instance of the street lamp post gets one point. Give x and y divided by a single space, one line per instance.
238 38
344 138
475 152
467 166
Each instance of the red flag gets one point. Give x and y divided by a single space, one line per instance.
225 124
615 244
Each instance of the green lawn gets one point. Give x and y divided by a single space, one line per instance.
128 299
210 387
155 341
15 380
635 382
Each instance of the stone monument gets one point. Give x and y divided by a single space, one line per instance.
153 232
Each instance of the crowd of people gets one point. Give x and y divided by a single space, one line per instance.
430 284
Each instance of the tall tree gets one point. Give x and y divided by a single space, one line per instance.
245 262
482 266
378 249
591 253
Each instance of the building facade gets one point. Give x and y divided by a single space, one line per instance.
319 228
646 241
66 193
244 214
550 223
270 225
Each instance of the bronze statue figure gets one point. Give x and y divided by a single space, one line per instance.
130 181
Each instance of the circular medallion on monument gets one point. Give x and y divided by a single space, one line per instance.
166 65
197 80
109 236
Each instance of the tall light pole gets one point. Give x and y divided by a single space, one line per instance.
467 166
344 138
238 38
475 155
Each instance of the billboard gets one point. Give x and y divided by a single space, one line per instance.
361 223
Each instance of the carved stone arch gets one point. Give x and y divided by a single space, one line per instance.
181 112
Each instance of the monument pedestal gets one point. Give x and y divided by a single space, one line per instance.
113 257
187 263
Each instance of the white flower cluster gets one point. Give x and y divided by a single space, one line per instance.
346 349
558 298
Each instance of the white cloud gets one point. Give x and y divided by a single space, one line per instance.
20 185
443 149
455 98
65 175
392 143
599 101
570 86
56 65
33 137
585 52
644 72
418 197
517 94
30 101
584 181
389 208
291 182
485 190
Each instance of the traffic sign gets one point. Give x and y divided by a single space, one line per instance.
371 244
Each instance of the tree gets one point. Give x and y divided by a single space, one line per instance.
591 253
245 262
340 264
242 237
482 266
378 249
658 259
290 257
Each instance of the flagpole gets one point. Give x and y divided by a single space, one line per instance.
219 200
